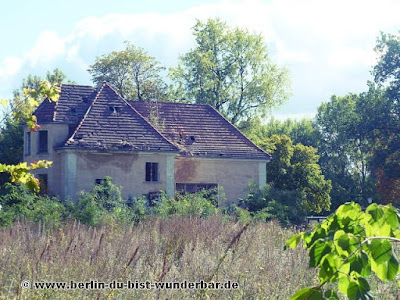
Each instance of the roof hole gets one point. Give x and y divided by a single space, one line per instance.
114 109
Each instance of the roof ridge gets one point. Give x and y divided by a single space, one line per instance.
75 84
87 112
171 103
143 118
237 130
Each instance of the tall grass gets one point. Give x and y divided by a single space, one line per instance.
174 249
156 249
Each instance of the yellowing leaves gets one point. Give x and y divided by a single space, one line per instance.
3 102
20 173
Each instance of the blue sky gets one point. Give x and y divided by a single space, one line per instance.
326 45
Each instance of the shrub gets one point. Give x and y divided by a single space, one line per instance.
271 203
198 204
18 202
105 198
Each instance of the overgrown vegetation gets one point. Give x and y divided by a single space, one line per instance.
350 246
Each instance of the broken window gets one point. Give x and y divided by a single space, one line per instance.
114 109
151 171
43 141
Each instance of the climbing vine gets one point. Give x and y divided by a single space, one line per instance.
348 247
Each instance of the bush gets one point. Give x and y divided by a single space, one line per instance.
271 203
198 204
18 202
104 199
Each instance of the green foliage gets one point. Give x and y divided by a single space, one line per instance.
272 203
19 173
133 72
230 69
295 168
11 145
198 204
20 203
104 198
300 131
349 246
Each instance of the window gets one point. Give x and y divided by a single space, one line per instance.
28 143
151 171
98 180
42 183
43 147
152 197
195 187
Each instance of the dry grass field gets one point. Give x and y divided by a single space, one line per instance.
157 250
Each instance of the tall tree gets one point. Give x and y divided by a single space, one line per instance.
133 72
345 148
296 168
230 69
300 131
386 118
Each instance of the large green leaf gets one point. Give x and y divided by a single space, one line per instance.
359 290
318 251
380 250
308 294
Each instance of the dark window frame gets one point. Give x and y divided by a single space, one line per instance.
28 139
43 183
152 172
43 141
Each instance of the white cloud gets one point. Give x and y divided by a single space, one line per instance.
319 41
48 47
11 65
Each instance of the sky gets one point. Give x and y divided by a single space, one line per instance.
327 46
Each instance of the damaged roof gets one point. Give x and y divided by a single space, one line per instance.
110 123
199 130
103 120
73 103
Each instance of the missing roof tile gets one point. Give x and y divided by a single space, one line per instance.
114 109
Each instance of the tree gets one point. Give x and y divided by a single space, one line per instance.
11 145
19 173
133 73
295 168
345 148
386 135
300 131
230 69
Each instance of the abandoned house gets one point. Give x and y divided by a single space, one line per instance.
145 147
